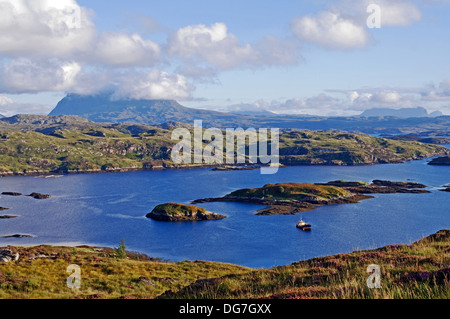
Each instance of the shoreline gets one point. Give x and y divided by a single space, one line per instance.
165 260
216 167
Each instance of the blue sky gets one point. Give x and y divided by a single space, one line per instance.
294 57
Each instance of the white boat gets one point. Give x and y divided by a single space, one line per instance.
303 225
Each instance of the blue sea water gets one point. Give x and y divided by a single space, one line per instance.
101 209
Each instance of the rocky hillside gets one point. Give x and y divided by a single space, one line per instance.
41 144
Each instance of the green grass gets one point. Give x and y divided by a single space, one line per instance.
291 191
417 271
104 274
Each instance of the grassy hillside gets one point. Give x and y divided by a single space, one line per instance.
340 148
41 272
419 270
33 144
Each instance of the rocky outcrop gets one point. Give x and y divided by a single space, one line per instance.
385 187
11 194
175 212
6 255
398 184
444 160
39 196
17 236
7 217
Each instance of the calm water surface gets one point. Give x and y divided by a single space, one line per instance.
101 209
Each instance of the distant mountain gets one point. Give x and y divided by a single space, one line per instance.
403 113
101 108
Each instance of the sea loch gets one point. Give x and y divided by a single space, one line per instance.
101 209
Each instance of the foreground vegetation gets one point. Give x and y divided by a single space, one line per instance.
41 144
420 270
41 272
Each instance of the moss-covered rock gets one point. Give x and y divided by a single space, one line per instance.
173 212
445 160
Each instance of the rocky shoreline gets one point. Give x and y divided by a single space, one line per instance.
215 167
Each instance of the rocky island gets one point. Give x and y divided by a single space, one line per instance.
175 212
39 195
444 160
293 198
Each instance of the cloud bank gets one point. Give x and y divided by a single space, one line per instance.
55 46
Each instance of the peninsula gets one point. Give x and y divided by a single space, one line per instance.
37 145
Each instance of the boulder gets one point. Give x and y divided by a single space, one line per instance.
6 255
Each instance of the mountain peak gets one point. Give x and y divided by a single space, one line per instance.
104 108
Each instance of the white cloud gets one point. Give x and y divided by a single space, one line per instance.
5 100
393 12
437 93
121 49
320 104
217 47
211 44
386 97
344 27
29 76
399 13
331 30
59 27
153 85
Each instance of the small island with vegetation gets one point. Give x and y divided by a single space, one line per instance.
175 212
294 198
444 160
